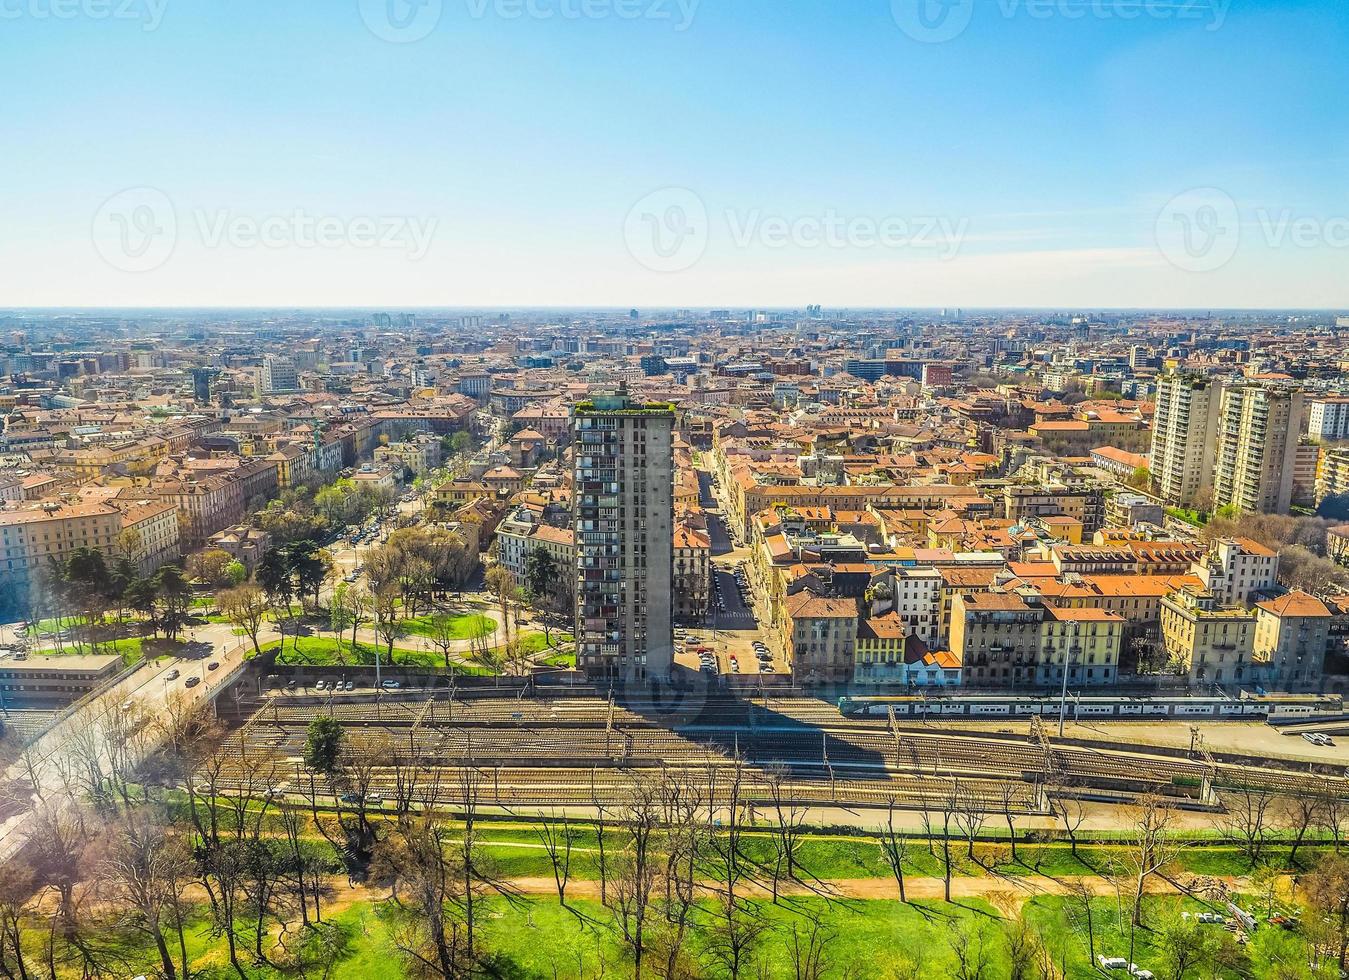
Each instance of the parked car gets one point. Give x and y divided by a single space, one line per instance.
321 686
349 686
391 685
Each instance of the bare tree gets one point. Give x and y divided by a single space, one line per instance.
1247 809
1010 797
970 816
1298 815
556 835
1151 847
808 945
788 819
1072 813
895 846
145 872
969 946
635 871
18 886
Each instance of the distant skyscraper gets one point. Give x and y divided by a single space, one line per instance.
279 375
201 384
1258 428
1184 430
623 510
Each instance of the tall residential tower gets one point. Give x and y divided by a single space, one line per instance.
1258 429
1183 433
623 515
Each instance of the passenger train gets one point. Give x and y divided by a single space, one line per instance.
1023 706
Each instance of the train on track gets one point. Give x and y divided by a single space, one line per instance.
1000 706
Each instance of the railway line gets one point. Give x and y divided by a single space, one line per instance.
589 750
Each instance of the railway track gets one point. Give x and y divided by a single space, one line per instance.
864 761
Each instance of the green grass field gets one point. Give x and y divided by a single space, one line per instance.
462 626
535 937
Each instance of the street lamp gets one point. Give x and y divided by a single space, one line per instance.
1063 694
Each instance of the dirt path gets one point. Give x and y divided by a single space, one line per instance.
1010 891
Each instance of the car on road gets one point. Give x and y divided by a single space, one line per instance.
192 682
213 666
391 685
173 675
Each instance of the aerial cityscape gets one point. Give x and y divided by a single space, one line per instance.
674 489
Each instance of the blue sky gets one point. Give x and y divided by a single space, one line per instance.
534 153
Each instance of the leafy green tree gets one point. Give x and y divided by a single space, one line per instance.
236 573
323 745
174 596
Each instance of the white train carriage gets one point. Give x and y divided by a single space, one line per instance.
997 706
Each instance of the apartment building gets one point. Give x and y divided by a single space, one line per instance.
692 573
33 536
1328 418
1210 642
1022 502
1184 430
623 516
1257 443
820 633
1235 569
1084 641
1292 632
279 376
1332 474
996 637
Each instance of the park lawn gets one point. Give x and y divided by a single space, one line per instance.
325 651
867 938
462 626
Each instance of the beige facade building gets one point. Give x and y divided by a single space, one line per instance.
1291 635
1235 569
1257 447
1184 431
821 636
1210 642
692 573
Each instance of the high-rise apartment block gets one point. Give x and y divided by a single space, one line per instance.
279 374
1258 428
1183 434
623 515
1328 418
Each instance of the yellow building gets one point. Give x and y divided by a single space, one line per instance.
1211 643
